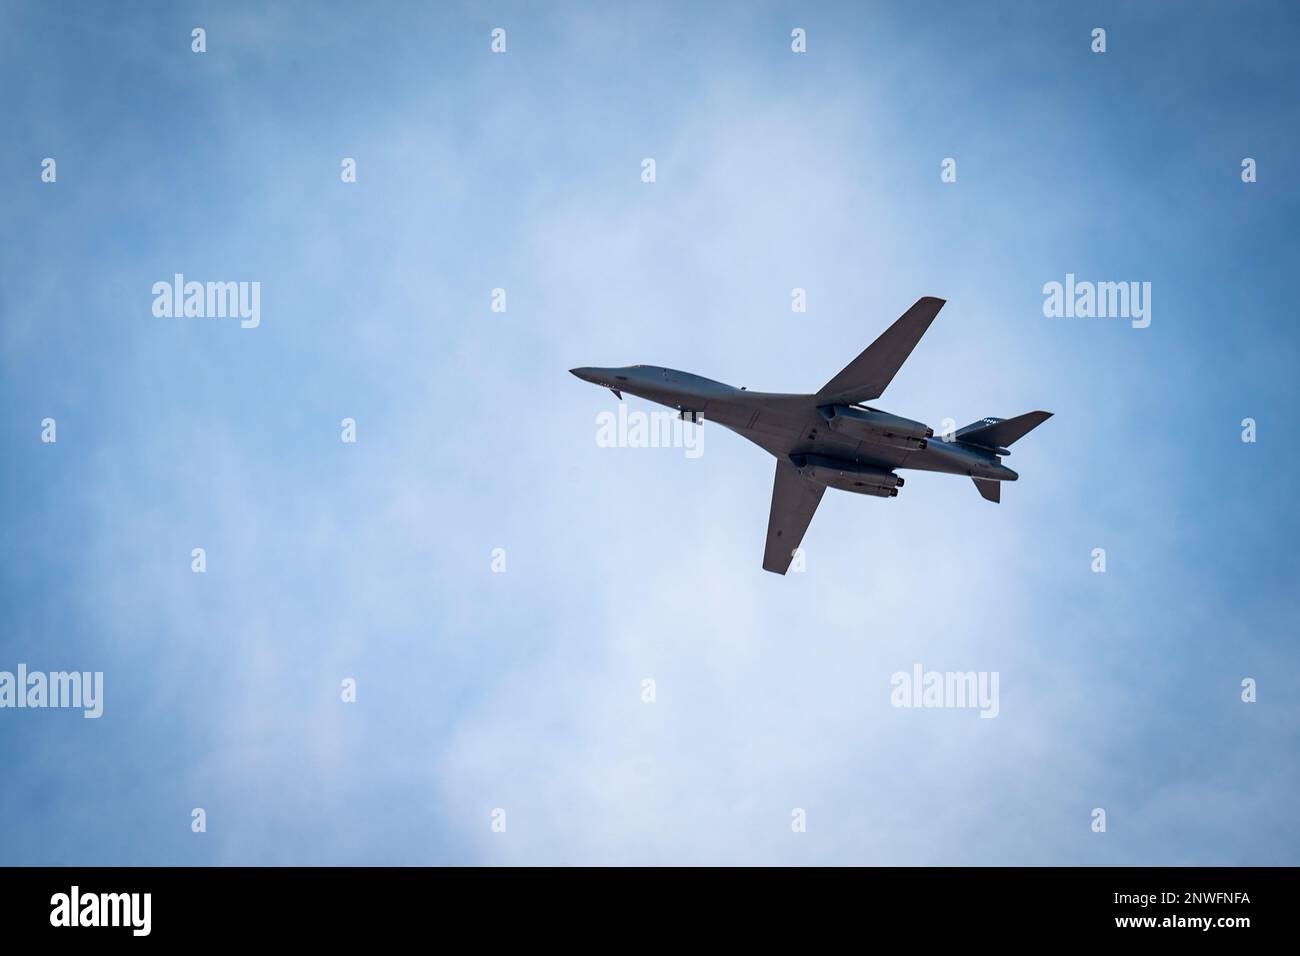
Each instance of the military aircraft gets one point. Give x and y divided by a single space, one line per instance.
831 439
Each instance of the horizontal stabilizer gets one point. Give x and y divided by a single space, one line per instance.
991 490
1001 432
867 375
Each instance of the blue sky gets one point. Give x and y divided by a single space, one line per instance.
522 690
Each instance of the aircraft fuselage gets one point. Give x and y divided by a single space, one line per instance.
827 441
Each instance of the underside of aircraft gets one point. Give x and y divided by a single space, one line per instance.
833 439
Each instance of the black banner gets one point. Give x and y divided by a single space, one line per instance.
1162 905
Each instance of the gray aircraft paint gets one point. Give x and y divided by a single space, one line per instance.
831 439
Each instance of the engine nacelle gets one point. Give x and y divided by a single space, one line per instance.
848 476
867 424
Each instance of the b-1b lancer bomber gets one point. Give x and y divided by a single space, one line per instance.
831 439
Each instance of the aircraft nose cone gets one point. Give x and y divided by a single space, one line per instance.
583 373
